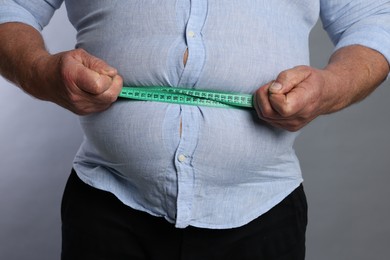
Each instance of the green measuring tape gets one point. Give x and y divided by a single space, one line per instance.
184 96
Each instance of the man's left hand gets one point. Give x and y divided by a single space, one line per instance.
295 98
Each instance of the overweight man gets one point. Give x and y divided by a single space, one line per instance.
155 180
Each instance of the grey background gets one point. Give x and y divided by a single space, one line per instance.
345 159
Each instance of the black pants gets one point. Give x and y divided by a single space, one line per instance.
96 225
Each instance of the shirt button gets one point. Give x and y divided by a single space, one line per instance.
191 34
181 158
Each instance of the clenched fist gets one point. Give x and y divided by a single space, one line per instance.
78 81
294 98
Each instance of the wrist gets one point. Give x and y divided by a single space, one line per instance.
40 71
353 73
335 90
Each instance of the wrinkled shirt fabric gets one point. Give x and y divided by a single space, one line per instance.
225 167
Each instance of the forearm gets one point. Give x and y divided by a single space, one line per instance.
73 79
21 48
352 74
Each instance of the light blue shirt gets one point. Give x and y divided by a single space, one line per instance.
227 167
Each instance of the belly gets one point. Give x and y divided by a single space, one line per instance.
140 139
132 135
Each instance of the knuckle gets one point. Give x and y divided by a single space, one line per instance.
284 75
80 51
97 63
265 111
84 109
296 74
302 67
96 87
111 97
286 111
101 84
78 54
114 98
74 99
293 127
81 112
118 82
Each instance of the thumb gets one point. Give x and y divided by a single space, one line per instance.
289 79
275 88
277 96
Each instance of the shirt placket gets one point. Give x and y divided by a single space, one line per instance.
194 42
190 115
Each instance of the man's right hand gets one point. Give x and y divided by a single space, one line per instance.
74 79
77 81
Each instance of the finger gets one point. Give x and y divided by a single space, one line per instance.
292 103
112 93
289 126
96 64
268 114
262 104
265 107
91 82
285 93
83 103
288 79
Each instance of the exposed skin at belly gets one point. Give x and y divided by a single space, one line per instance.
185 57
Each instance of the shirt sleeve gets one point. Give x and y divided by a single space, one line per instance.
363 22
36 13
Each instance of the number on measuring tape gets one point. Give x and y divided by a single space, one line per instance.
188 96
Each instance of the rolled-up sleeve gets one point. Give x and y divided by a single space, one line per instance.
36 13
363 22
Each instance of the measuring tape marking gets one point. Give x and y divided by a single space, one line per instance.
188 96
